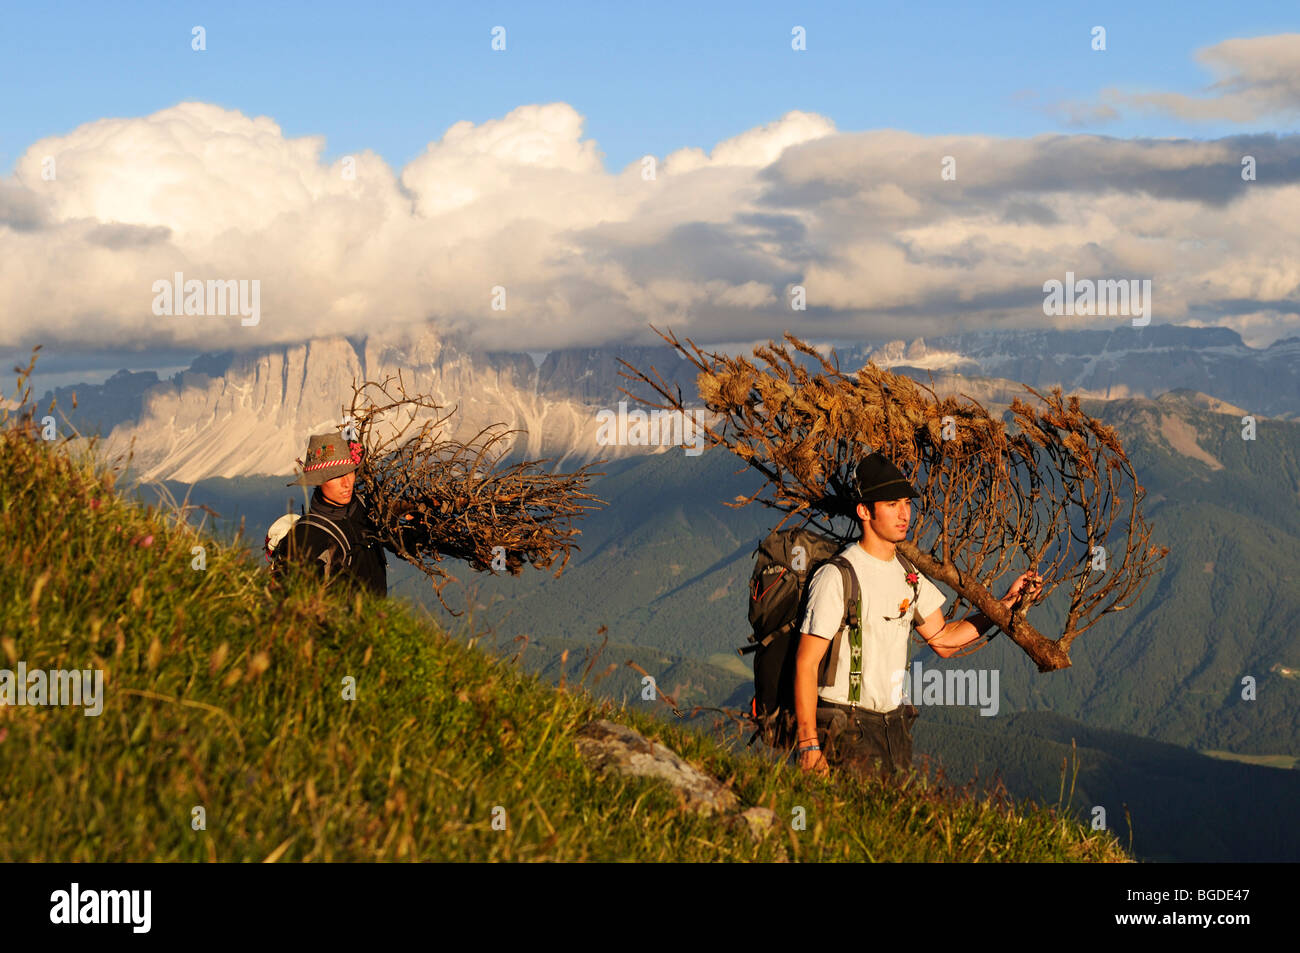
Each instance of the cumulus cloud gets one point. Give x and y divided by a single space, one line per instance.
711 244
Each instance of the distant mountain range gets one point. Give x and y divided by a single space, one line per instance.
1123 362
250 413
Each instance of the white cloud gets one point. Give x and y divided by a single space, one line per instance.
709 247
754 148
1256 77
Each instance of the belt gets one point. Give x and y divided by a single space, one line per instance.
882 717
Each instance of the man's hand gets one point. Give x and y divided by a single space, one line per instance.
1030 583
814 762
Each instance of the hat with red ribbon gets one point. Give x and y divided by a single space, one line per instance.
328 456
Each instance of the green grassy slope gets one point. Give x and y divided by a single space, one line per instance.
1178 804
224 697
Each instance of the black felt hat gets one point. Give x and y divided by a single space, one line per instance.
878 479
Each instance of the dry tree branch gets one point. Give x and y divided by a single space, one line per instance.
432 496
1052 490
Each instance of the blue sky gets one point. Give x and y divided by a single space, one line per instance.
649 78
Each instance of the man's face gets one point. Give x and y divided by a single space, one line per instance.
339 489
891 520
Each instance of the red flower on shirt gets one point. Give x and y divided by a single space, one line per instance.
912 580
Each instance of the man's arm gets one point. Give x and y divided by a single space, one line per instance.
811 649
947 639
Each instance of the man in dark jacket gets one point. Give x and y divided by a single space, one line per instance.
337 536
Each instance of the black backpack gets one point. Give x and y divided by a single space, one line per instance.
778 595
278 538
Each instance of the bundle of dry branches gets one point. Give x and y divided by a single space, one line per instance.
433 497
1053 490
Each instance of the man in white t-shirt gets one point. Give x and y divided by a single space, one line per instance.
854 715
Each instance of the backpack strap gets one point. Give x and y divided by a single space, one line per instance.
853 619
327 524
907 563
771 636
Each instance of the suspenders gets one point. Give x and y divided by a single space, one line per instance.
853 618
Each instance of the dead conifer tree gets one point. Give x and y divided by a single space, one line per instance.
1057 493
433 496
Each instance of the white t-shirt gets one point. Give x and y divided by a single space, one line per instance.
884 644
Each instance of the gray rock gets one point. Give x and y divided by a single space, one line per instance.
609 746
761 821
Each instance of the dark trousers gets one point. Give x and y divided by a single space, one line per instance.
866 742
